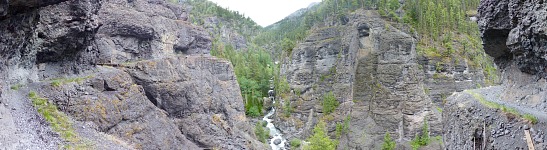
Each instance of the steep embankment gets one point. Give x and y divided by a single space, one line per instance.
498 117
372 69
132 72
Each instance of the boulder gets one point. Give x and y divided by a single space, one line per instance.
277 141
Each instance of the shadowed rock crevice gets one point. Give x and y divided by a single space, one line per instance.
495 43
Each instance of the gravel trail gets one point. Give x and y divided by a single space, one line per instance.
21 127
493 94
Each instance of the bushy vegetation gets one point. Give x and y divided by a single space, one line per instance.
320 140
282 86
58 121
262 133
287 108
388 144
329 103
287 45
343 128
295 143
421 139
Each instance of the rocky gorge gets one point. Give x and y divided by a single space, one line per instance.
156 74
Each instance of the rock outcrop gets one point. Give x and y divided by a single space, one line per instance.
497 117
147 77
372 68
516 31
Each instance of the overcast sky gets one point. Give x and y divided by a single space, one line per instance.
265 12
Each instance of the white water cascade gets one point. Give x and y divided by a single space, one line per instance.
276 134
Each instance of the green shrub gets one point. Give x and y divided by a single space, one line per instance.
261 133
343 128
287 109
421 139
295 143
338 130
298 92
389 144
254 112
329 103
288 45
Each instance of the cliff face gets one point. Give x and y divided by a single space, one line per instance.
497 117
145 75
514 31
372 68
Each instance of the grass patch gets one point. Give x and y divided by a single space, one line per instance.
62 81
533 119
493 105
16 86
58 121
508 110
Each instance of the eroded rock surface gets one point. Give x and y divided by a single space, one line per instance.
147 77
516 31
372 69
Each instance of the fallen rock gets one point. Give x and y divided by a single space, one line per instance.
277 141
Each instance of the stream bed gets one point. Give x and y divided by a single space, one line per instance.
274 132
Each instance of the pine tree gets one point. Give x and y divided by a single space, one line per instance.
389 144
320 140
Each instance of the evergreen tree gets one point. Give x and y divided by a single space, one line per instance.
388 144
320 140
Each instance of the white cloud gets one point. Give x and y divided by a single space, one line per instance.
265 12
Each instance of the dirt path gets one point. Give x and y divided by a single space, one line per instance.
21 127
493 94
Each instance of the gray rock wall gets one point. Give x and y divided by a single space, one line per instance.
516 31
151 82
372 68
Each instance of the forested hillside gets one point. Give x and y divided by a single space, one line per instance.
445 31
